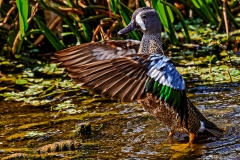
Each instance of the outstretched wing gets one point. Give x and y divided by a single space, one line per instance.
121 78
130 78
91 52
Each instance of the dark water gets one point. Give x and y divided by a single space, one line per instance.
118 130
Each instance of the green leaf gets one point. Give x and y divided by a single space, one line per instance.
170 19
11 38
170 14
234 72
162 13
209 1
64 17
223 53
214 58
53 39
86 31
204 77
113 6
221 75
158 6
224 67
69 3
219 78
197 3
66 33
142 2
21 81
22 6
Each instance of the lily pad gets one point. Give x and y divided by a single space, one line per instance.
21 81
234 72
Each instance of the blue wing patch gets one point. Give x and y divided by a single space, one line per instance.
162 70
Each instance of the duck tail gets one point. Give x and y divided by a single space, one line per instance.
213 129
210 127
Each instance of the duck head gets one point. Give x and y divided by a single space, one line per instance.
145 19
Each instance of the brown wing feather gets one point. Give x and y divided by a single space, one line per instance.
123 91
141 74
139 93
117 78
79 68
99 80
69 51
103 87
73 57
95 51
96 71
99 66
112 90
105 82
130 91
87 73
76 61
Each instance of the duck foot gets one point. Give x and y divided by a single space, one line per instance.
181 147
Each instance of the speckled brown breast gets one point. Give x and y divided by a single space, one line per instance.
166 114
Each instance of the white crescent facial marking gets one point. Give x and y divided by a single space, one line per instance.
140 21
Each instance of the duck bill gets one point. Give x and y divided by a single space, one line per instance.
130 27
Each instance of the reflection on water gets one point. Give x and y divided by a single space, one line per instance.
120 130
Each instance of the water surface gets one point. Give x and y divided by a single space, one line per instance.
118 130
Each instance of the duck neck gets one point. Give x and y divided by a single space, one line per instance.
150 44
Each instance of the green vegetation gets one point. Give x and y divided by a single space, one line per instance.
67 23
32 30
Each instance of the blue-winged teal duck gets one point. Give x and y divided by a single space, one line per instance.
114 69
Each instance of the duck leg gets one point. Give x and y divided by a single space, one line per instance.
191 138
181 147
171 134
